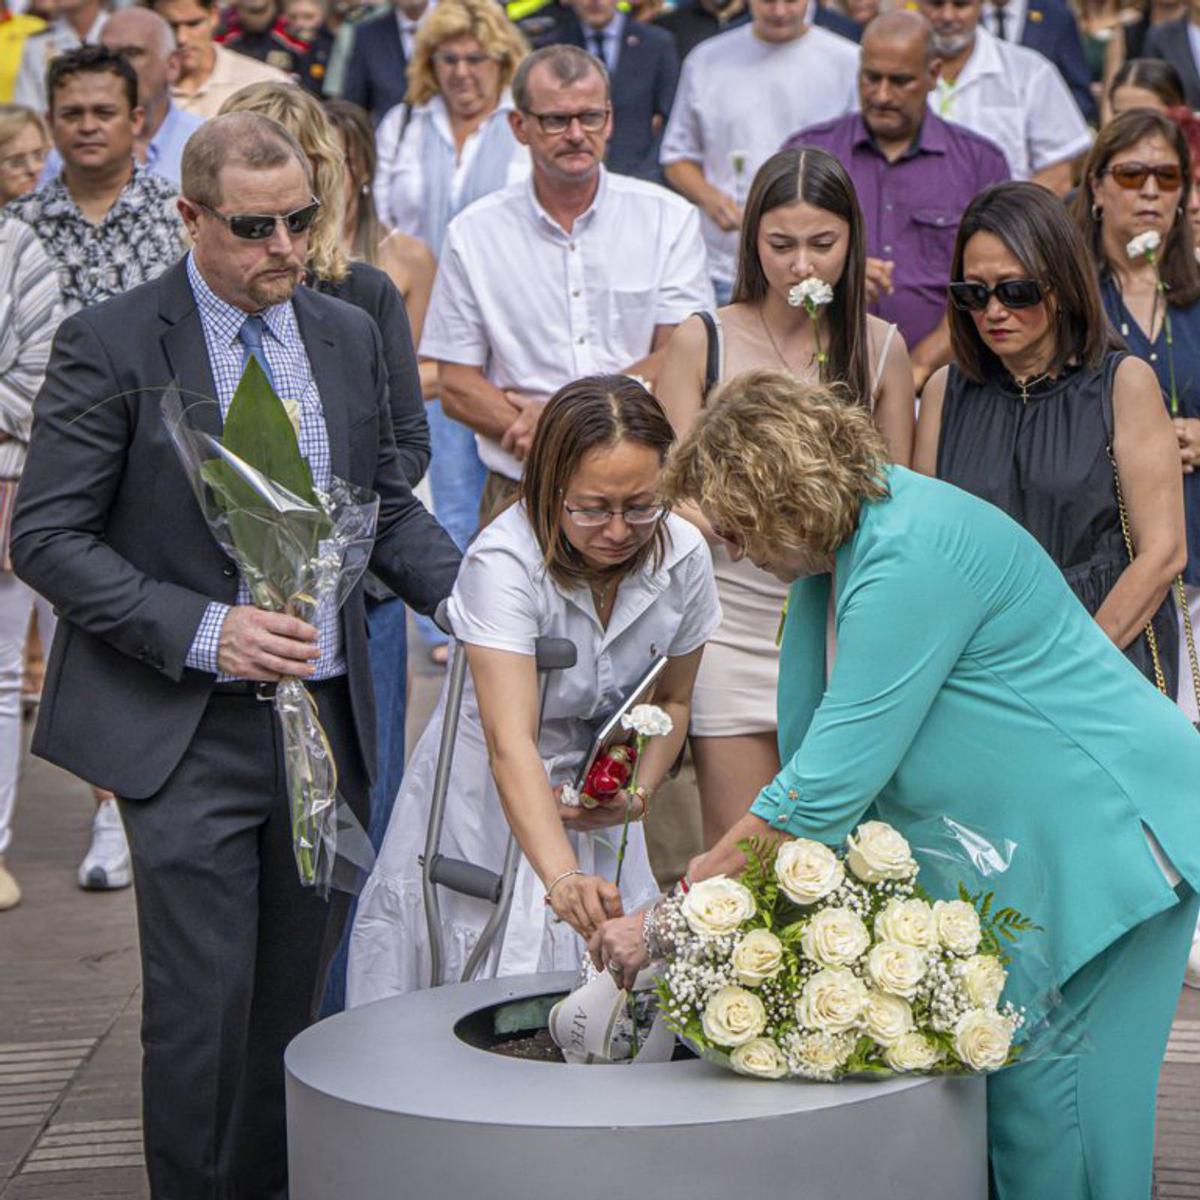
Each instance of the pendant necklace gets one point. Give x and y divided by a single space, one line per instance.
600 593
775 345
1028 382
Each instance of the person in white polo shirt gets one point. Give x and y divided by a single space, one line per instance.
741 94
574 271
1008 93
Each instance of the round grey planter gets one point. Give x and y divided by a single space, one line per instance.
387 1103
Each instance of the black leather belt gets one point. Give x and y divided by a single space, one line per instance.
252 689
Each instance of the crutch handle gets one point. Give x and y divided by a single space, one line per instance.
554 653
441 617
466 878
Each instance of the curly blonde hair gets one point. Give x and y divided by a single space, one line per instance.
304 118
484 20
780 464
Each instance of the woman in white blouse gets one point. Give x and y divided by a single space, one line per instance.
587 553
446 146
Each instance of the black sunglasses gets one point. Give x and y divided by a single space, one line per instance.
255 227
1012 293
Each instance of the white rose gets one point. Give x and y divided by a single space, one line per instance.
832 1001
957 925
819 1055
907 921
757 957
811 291
877 852
983 978
835 937
1144 245
807 871
716 906
912 1052
887 1018
896 968
761 1058
982 1039
733 1017
647 720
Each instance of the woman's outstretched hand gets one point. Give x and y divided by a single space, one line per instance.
603 816
585 902
621 942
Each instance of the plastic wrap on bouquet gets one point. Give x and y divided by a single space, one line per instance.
887 956
300 552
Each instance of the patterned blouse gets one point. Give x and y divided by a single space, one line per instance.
140 236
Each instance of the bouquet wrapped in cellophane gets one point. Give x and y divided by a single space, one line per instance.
820 964
300 551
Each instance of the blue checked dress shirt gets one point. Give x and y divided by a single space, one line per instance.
291 373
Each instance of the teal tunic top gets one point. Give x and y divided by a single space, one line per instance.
969 682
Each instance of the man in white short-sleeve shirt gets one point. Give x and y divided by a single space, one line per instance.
1008 93
741 94
575 271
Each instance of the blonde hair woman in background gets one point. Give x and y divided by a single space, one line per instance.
368 288
24 144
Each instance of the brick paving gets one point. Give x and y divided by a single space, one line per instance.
69 1059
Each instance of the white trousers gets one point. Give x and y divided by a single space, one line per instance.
17 601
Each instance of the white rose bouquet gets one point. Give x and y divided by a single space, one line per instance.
817 964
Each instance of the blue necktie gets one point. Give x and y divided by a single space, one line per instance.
251 337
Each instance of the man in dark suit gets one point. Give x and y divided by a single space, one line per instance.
377 73
1178 42
643 66
1050 28
160 665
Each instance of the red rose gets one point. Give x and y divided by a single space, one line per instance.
610 773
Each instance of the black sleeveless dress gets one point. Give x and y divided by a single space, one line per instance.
1046 464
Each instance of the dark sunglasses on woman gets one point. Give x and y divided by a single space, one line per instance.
1012 293
1132 175
255 227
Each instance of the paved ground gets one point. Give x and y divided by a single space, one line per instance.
69 1094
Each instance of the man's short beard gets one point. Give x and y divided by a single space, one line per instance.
952 47
268 292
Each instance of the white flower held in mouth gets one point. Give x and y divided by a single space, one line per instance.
1144 245
647 720
810 294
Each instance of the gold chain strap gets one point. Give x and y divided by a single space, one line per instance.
1180 599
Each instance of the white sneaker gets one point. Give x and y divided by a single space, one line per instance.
1191 977
106 865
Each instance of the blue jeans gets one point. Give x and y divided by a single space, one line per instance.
456 479
388 649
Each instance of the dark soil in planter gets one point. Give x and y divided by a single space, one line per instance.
534 1047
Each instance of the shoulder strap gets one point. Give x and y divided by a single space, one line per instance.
881 362
714 352
1111 363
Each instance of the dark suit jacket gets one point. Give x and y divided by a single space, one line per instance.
643 87
838 23
377 73
1170 41
108 530
1051 30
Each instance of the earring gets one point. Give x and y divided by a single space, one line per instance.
366 187
1097 211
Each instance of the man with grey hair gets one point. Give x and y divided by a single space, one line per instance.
161 664
607 266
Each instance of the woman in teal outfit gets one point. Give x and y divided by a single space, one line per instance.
935 662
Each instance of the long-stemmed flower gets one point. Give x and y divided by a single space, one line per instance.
646 721
812 295
1146 245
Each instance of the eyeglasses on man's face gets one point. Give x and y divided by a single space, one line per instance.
257 227
593 518
591 120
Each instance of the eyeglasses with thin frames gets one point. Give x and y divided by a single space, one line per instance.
257 227
593 518
591 120
23 162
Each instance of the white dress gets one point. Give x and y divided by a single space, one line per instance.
505 599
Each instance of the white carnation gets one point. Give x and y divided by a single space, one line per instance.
810 293
717 906
907 921
887 1018
1144 245
957 925
983 978
835 937
982 1039
757 957
761 1058
877 852
832 1001
896 968
912 1052
647 720
807 871
733 1017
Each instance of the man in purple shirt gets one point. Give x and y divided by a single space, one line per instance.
914 174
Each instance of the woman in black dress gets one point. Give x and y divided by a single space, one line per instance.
1042 412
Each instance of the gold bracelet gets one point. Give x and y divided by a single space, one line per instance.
644 794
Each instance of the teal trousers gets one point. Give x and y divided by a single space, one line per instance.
1082 1127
